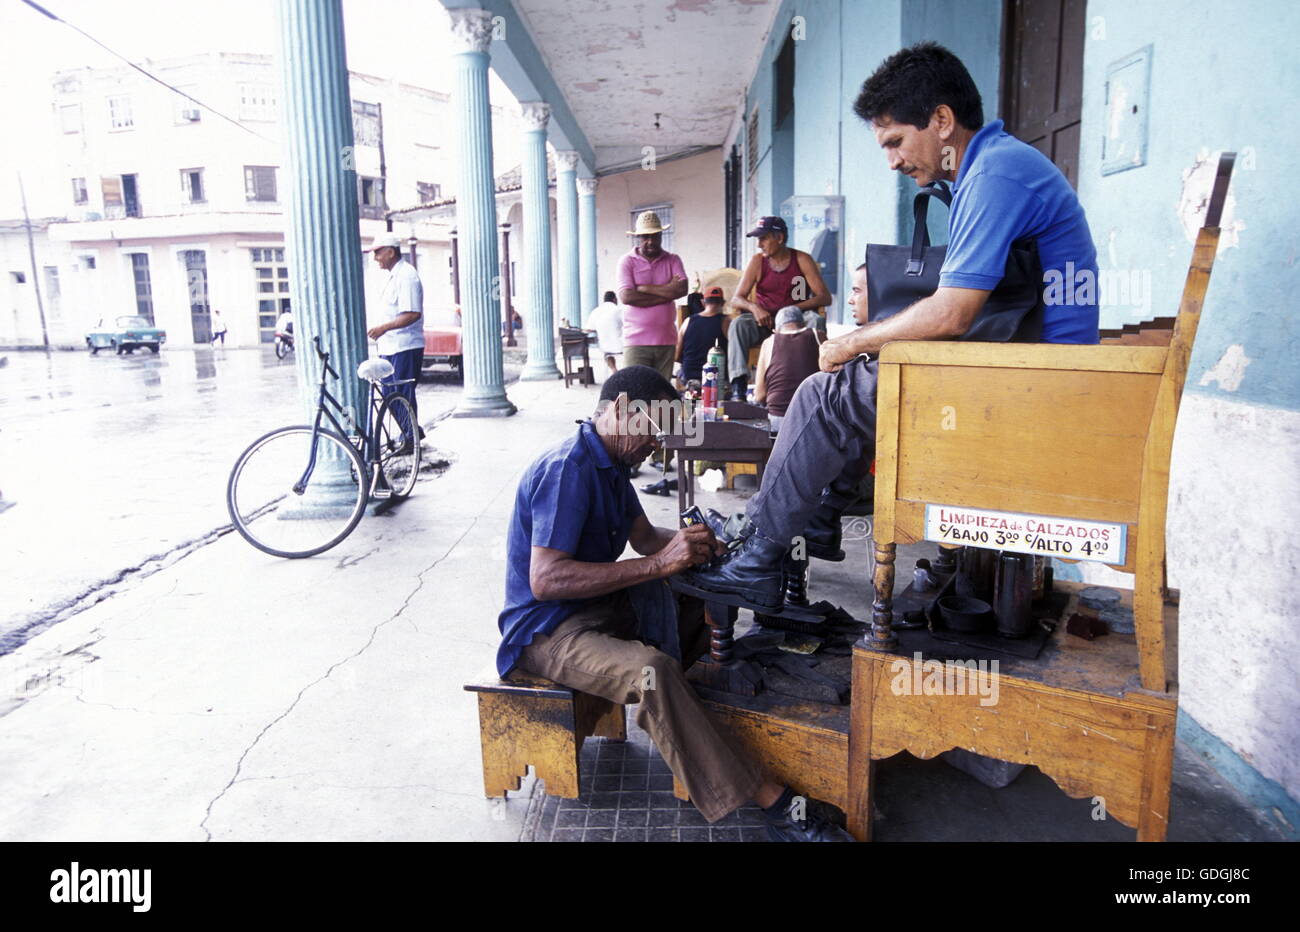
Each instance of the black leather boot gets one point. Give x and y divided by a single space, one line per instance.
823 532
751 576
739 388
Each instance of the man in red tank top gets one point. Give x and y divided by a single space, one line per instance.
780 277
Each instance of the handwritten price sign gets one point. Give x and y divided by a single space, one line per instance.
1041 535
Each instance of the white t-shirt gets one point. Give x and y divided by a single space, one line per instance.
283 322
402 292
607 321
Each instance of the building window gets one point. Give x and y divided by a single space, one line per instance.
751 144
259 182
143 287
196 281
370 195
18 278
665 212
272 278
187 111
79 193
192 185
365 123
121 196
88 262
119 112
428 192
256 102
70 118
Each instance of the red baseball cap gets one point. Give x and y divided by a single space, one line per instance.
715 292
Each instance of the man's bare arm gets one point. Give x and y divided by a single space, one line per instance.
946 314
647 538
740 297
821 295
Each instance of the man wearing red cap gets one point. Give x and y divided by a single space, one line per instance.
780 277
699 333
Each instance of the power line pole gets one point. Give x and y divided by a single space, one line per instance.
31 252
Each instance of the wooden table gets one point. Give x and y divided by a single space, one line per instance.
747 438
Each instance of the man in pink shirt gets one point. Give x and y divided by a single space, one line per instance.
650 281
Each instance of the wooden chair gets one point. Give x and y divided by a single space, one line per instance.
1080 433
526 719
573 346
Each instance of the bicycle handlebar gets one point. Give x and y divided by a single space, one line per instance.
324 357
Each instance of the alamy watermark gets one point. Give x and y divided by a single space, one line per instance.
919 677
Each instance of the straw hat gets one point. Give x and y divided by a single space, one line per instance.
648 223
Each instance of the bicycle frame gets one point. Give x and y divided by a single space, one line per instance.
369 451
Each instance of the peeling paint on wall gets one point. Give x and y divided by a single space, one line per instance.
1198 181
1229 370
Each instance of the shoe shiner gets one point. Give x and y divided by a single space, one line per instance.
577 614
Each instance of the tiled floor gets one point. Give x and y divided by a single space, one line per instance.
628 796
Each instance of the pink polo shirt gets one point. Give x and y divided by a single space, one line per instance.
655 325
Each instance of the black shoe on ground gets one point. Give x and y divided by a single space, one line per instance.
823 534
738 389
662 487
751 576
812 827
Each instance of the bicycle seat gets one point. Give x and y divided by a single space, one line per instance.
375 370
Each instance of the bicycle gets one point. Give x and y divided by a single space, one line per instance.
298 491
283 344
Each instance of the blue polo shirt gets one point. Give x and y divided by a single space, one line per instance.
1006 189
573 498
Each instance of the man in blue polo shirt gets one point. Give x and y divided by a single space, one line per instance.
577 614
928 118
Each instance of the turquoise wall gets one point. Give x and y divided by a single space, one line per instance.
834 152
1220 80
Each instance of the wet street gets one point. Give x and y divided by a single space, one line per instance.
113 463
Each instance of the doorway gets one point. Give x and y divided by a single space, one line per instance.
1042 77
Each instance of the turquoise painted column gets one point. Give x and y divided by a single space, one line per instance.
566 236
321 234
476 221
587 240
540 327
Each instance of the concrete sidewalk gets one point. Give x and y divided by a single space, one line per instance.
234 695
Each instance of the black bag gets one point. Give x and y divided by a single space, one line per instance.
898 276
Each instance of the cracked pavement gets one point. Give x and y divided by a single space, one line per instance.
235 696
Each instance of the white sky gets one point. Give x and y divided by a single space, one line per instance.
404 39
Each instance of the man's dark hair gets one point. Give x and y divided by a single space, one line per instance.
910 84
641 384
611 298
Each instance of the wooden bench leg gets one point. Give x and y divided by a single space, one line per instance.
1157 775
516 732
861 767
600 718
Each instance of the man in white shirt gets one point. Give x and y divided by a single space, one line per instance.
401 336
284 323
607 321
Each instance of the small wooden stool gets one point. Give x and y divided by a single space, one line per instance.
526 719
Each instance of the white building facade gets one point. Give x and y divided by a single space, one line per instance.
173 211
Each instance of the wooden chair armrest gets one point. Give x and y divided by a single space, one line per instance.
1094 358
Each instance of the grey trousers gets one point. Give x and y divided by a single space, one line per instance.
828 434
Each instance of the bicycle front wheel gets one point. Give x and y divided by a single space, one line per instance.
398 439
273 515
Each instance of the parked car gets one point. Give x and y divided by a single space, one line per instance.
442 344
124 335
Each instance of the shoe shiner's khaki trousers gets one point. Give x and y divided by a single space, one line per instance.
594 651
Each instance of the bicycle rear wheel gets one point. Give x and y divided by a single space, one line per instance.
272 516
398 436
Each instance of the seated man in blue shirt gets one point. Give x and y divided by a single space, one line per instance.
927 115
577 614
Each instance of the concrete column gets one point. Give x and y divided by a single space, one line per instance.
566 236
322 239
587 240
476 222
540 327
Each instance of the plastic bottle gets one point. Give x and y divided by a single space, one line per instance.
709 388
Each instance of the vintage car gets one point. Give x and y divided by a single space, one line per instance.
442 342
124 335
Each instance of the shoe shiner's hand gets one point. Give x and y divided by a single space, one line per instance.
688 547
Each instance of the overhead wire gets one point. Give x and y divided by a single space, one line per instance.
153 77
